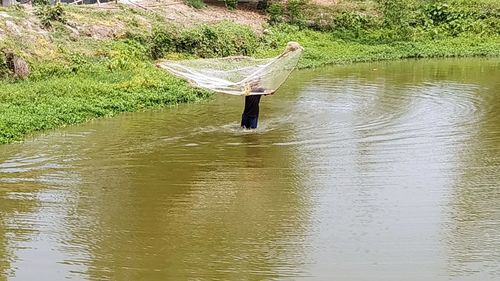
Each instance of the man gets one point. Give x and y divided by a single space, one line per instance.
250 116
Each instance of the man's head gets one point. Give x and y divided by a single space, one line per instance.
292 46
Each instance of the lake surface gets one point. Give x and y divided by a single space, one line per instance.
383 171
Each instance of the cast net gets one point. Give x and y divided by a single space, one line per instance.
239 75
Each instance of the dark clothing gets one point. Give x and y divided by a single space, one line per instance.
252 105
249 122
250 114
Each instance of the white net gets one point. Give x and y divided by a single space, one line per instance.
238 75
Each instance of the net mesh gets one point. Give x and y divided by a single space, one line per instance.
239 75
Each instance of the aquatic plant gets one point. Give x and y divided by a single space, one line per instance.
34 105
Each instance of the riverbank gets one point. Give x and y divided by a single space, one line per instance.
323 49
91 63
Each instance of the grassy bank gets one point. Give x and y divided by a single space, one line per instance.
36 105
322 48
92 63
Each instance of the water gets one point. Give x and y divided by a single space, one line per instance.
386 171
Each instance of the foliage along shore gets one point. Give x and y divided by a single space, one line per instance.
87 63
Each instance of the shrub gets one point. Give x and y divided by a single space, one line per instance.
162 42
197 4
276 12
231 4
397 14
49 14
4 68
443 19
125 54
40 2
138 36
289 12
262 5
223 39
294 9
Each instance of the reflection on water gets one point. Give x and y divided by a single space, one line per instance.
385 171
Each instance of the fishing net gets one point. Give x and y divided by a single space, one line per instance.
239 75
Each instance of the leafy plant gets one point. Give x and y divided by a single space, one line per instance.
348 20
40 2
34 105
276 12
294 11
223 39
262 5
4 69
162 42
289 12
49 14
441 18
197 4
231 4
396 17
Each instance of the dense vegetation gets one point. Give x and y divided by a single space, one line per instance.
95 92
76 78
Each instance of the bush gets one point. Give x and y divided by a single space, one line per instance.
197 4
276 12
49 14
353 26
162 42
223 39
262 5
294 8
137 36
441 19
125 54
4 68
289 12
40 2
397 14
231 4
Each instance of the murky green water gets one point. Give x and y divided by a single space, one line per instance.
386 171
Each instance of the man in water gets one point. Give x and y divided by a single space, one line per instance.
250 116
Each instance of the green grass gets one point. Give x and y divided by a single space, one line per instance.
29 106
323 48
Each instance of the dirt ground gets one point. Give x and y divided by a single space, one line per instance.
215 11
174 10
